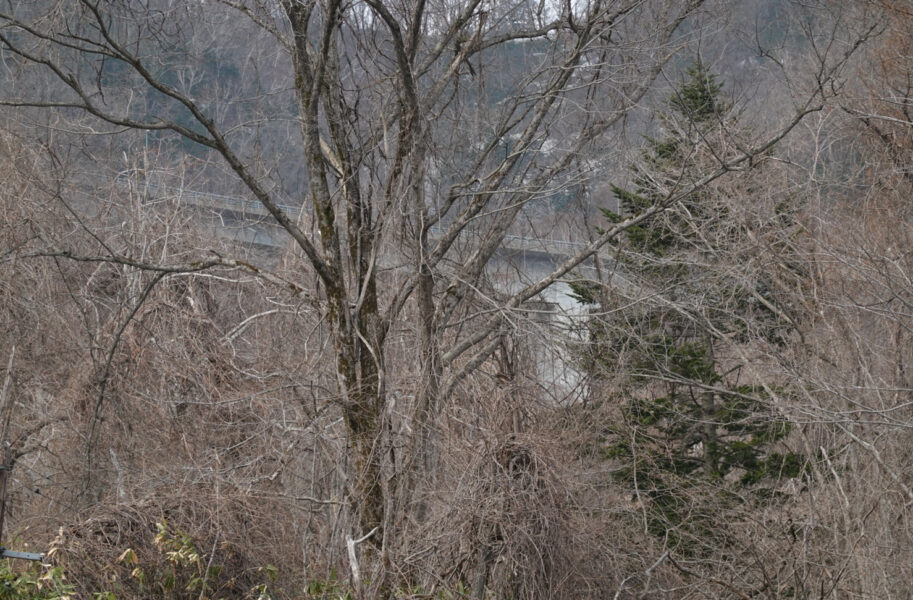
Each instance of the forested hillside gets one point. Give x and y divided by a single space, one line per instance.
449 299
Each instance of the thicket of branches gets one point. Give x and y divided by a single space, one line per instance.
382 402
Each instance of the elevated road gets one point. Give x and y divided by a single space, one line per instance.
518 262
249 221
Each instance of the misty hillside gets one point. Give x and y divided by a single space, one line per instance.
456 299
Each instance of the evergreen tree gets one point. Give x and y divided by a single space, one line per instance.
688 418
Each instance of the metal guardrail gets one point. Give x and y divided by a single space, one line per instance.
243 206
4 553
221 201
550 246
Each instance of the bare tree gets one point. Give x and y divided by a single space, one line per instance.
425 130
